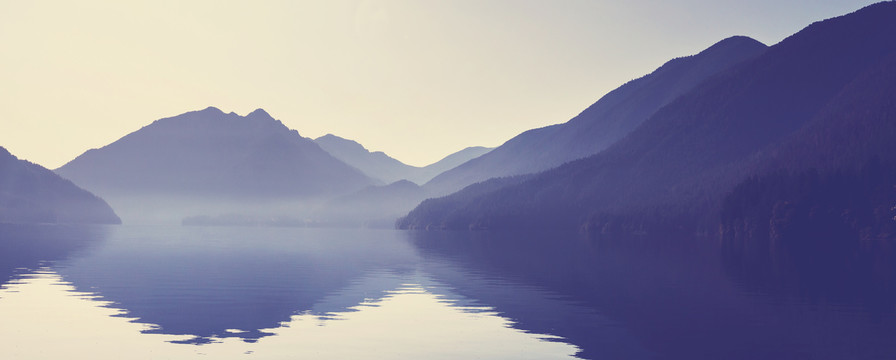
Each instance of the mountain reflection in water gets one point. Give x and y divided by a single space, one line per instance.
269 293
674 297
327 293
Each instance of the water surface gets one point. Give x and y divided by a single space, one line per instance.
245 292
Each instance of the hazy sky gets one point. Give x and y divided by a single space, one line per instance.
418 79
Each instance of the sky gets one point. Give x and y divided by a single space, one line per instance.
417 79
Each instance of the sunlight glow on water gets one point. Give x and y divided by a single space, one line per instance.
45 317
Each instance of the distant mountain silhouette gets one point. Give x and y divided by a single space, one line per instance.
451 161
380 166
376 165
374 206
609 119
211 156
675 169
29 193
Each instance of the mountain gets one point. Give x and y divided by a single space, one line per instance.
609 119
833 180
209 157
29 193
676 168
373 206
452 161
376 165
379 205
380 166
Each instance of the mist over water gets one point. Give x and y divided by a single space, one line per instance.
737 203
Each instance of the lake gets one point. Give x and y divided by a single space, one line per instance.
267 293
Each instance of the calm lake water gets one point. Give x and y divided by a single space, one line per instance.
193 292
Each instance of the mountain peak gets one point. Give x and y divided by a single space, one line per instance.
331 137
603 123
259 113
206 158
677 165
329 141
737 46
212 109
734 41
